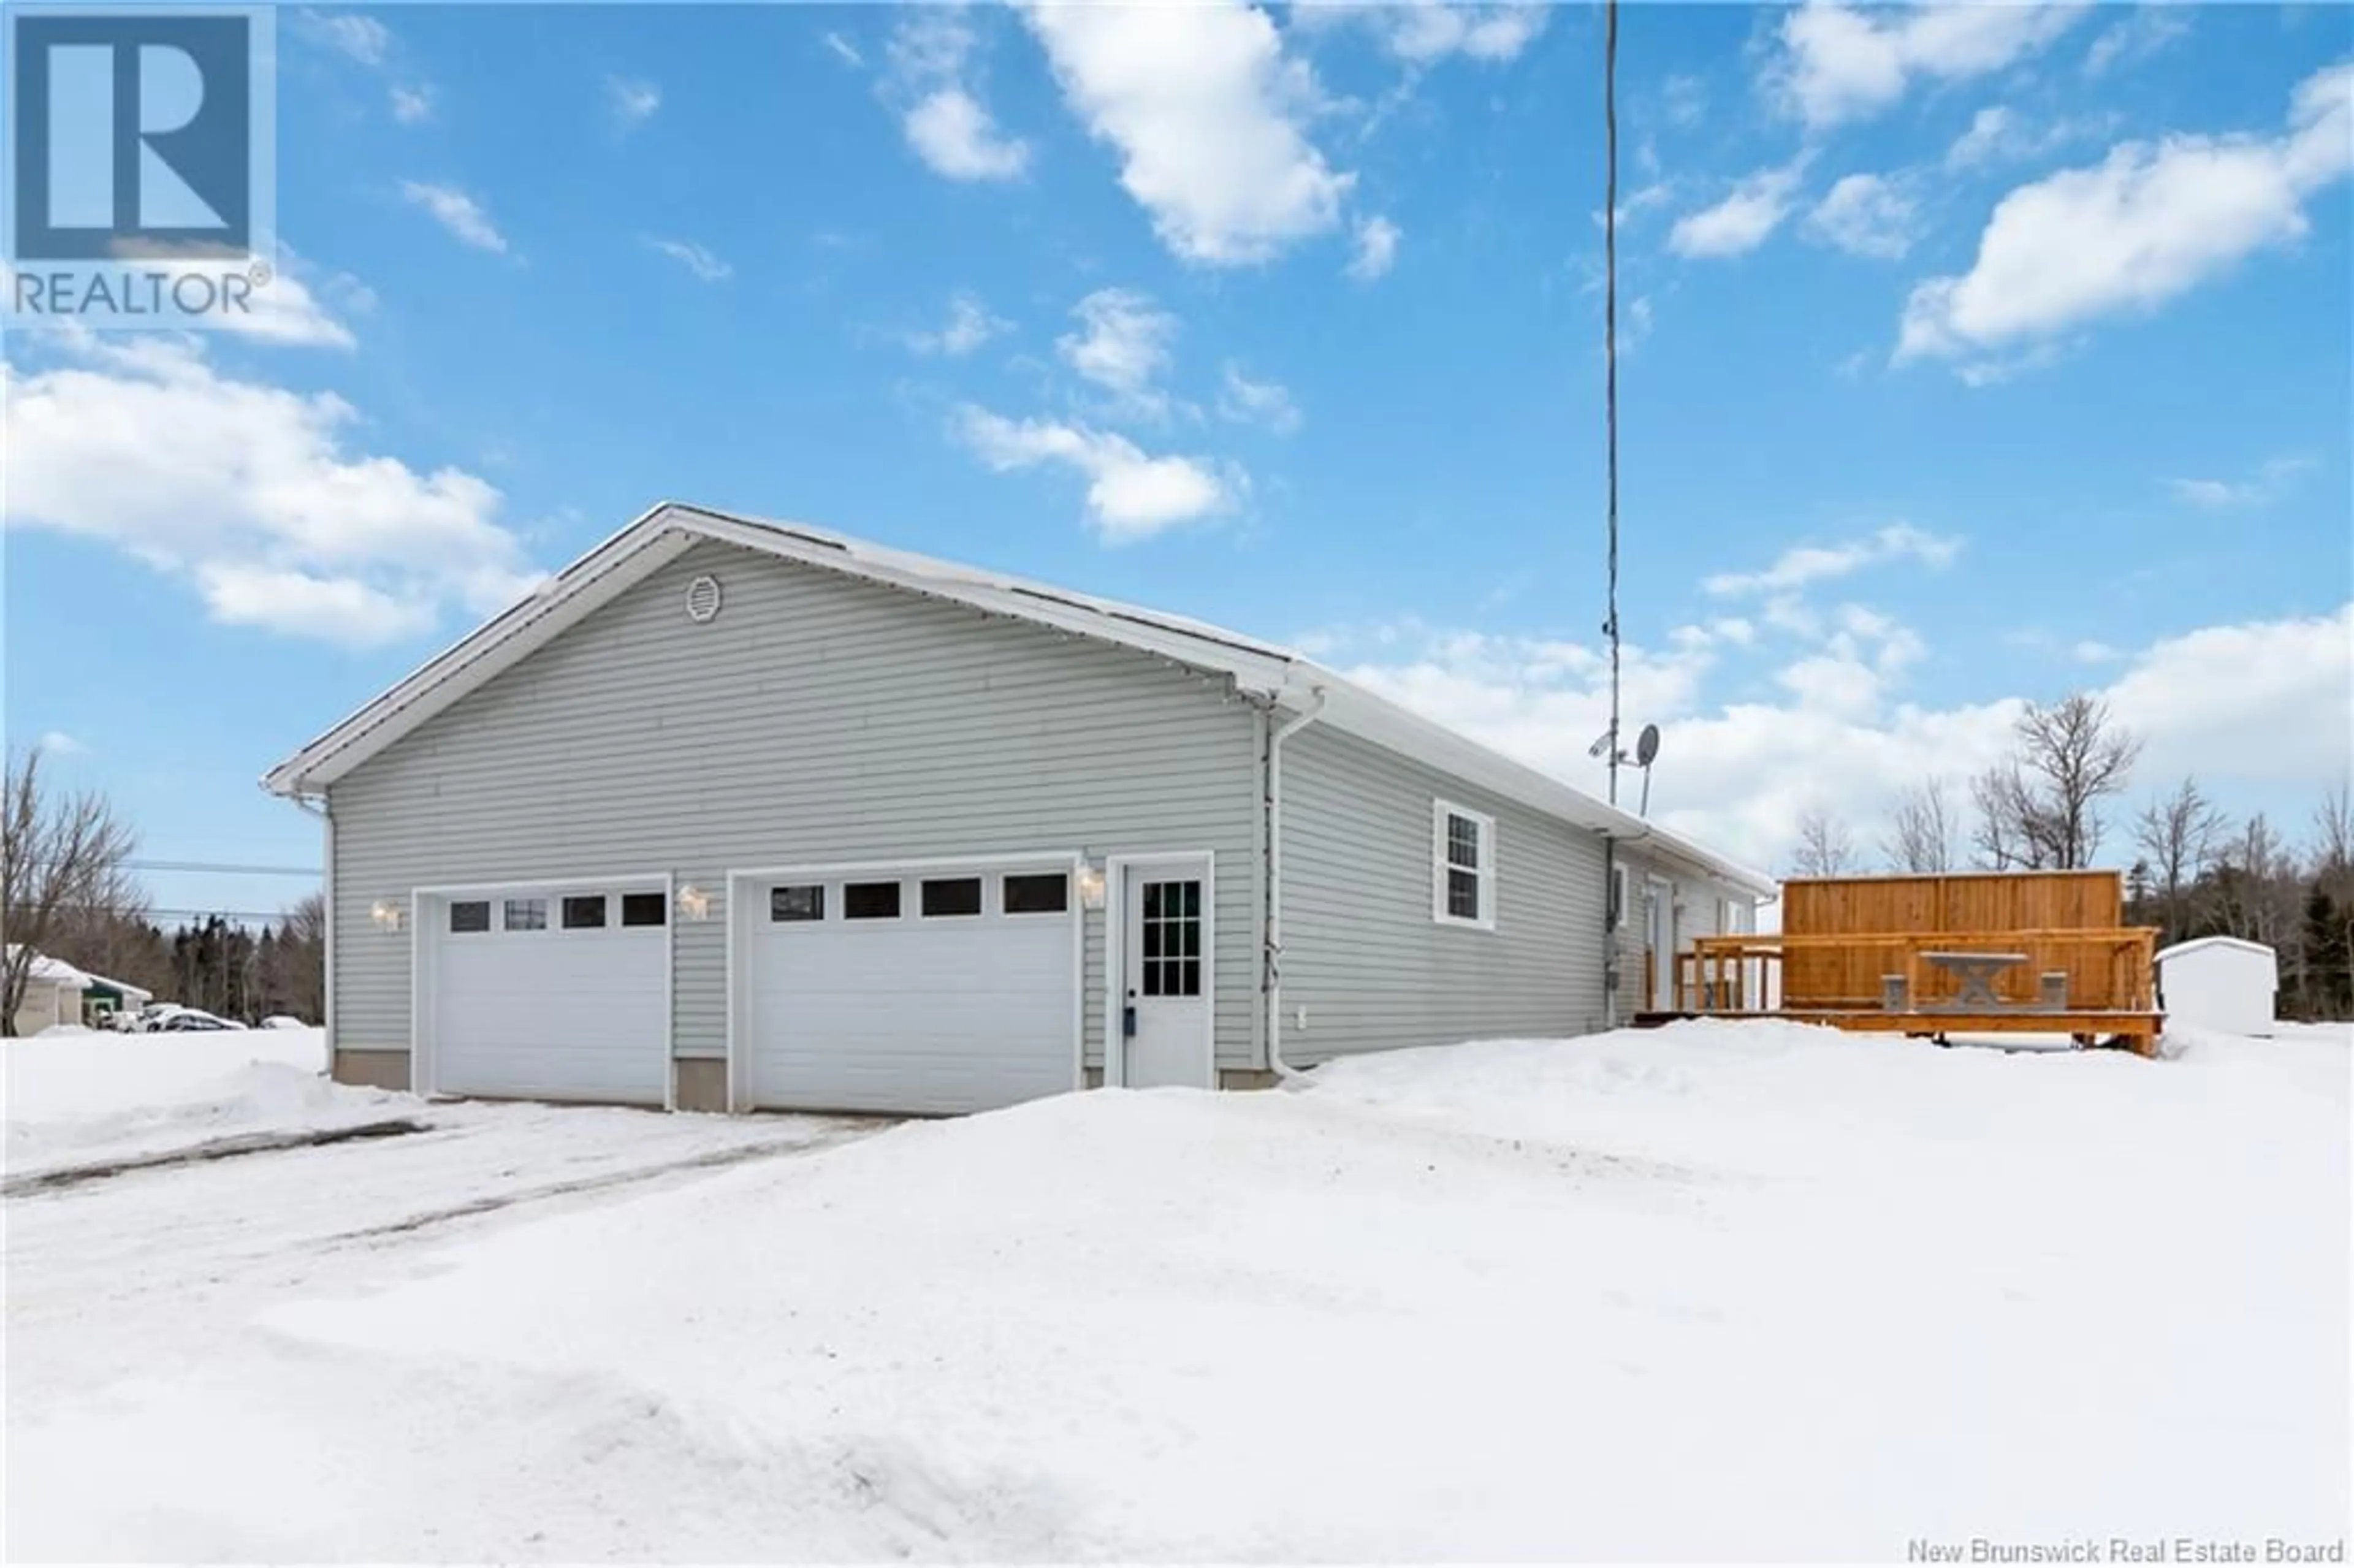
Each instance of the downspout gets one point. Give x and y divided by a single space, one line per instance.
1272 960
327 920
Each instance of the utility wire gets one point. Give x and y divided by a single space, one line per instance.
1610 344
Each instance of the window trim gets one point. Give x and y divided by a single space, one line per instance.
1440 811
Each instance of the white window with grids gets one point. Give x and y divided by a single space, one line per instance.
1462 866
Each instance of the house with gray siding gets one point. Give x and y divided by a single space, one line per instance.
736 815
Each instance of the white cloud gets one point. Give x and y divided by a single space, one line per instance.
360 38
1839 63
1123 347
952 132
633 101
707 268
942 116
1267 404
1743 221
844 49
1867 214
2246 708
459 213
1208 116
1425 32
57 743
368 43
2266 485
251 493
411 105
2148 31
2000 134
1131 494
1376 248
1808 564
2151 221
969 325
1684 100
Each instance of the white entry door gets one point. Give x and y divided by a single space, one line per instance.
1659 940
1165 980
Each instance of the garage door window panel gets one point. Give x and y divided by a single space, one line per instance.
798 902
645 909
584 912
870 901
470 916
524 915
946 897
1046 893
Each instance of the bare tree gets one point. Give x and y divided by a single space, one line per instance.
2079 756
303 942
2177 834
1824 847
60 858
2002 833
1920 835
2042 807
2333 830
2255 884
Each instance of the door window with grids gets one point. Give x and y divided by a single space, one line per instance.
1171 936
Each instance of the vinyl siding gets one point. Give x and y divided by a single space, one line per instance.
1697 901
1361 951
817 719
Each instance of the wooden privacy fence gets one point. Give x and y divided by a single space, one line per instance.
1976 904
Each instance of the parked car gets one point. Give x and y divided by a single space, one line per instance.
283 1021
193 1017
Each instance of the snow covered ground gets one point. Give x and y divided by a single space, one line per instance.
1718 1291
77 1098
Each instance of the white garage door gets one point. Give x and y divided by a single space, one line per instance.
550 994
943 991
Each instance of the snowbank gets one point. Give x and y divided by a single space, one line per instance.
1716 1292
70 1098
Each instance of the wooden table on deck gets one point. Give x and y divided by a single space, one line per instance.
1975 971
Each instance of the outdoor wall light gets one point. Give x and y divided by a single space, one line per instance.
694 904
1091 885
387 915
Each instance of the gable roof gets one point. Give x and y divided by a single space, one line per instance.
2232 944
1260 669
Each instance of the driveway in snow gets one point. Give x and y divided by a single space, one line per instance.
1714 1291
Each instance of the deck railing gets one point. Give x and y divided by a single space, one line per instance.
2102 971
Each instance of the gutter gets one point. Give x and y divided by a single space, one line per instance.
1272 960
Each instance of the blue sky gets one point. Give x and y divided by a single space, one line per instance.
1972 354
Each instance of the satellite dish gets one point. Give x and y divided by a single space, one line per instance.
1647 745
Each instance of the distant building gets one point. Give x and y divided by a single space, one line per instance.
2218 982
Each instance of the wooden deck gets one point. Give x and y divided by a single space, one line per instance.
1886 955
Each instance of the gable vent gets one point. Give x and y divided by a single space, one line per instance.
702 599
